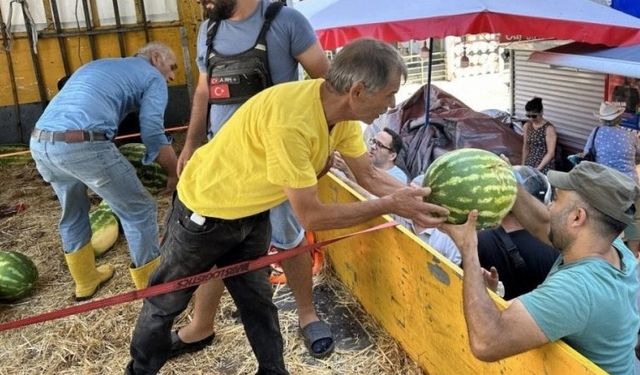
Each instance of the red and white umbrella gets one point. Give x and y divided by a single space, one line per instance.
338 21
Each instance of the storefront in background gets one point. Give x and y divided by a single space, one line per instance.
573 79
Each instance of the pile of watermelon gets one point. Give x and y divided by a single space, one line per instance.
470 178
18 275
104 229
152 176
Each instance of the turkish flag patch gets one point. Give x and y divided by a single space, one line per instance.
219 91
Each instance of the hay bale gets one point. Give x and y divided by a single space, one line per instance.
97 342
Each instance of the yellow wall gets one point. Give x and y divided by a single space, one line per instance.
416 295
79 52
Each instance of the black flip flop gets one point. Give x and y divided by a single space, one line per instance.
315 331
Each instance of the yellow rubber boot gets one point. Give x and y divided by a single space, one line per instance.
88 278
141 274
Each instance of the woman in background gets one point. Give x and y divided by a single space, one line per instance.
539 145
616 147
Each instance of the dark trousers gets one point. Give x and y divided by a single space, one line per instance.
189 248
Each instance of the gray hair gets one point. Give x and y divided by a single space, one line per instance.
154 47
369 61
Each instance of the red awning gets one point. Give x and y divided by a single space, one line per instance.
338 21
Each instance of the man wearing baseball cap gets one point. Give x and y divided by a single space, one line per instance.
589 297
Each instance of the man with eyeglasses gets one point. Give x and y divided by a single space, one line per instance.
589 297
384 148
71 145
383 151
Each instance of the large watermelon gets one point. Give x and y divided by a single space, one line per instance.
22 158
104 229
152 176
18 275
471 178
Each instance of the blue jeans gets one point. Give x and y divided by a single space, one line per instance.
286 231
72 167
189 248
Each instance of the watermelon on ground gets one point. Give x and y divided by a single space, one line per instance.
104 229
152 176
18 275
21 159
470 178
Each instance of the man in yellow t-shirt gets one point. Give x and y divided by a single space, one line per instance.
272 149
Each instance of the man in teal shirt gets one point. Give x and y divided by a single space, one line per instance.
589 297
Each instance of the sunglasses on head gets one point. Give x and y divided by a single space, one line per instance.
532 115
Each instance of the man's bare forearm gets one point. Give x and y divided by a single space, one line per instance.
379 182
167 160
332 216
197 132
481 314
532 215
354 185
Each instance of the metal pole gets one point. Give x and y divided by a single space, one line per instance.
143 16
34 58
116 12
187 62
12 76
89 27
428 98
61 44
102 31
512 78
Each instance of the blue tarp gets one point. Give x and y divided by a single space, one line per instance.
631 7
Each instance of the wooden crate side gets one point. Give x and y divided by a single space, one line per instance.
416 295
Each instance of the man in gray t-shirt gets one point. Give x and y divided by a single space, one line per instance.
290 40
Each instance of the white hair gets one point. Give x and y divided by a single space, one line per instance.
154 47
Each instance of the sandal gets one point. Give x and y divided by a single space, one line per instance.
318 339
179 347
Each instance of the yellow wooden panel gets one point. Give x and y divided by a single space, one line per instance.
107 45
5 82
416 295
190 14
79 53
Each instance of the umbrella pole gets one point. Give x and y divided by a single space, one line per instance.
428 95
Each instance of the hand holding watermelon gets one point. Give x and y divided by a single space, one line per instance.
152 176
172 182
410 202
468 179
464 235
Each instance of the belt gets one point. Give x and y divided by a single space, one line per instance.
69 136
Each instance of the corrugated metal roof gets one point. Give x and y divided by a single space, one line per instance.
624 61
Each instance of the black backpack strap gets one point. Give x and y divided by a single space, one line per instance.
592 150
272 11
212 30
512 250
261 43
